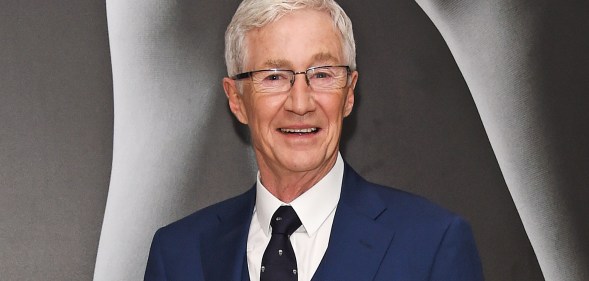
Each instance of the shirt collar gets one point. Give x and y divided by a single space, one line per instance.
313 207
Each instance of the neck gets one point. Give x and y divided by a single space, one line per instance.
288 185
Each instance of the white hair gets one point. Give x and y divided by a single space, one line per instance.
253 14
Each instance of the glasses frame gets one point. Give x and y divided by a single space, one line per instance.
249 74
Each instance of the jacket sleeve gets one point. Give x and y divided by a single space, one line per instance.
155 270
457 257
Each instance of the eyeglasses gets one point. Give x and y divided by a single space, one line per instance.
319 78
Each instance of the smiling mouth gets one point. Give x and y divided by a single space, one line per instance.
300 132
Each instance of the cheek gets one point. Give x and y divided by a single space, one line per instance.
333 107
263 110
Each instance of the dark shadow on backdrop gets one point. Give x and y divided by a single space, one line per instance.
562 53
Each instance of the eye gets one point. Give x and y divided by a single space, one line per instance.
322 75
275 77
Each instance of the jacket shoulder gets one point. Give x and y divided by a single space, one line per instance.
411 205
209 216
396 202
397 208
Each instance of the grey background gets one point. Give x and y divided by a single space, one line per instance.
56 124
176 148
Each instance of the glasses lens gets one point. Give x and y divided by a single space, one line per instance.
271 81
328 77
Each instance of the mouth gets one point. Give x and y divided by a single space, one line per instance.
299 131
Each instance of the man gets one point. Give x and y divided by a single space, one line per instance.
292 76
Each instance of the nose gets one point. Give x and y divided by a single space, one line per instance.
300 99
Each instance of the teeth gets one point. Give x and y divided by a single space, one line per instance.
298 131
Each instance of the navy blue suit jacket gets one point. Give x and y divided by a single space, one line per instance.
378 233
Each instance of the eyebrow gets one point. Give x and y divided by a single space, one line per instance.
318 58
277 63
324 57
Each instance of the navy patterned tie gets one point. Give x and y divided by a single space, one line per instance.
279 262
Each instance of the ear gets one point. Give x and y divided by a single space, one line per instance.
349 102
235 100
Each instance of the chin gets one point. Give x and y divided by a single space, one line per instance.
303 162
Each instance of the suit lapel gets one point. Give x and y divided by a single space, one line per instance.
358 243
223 249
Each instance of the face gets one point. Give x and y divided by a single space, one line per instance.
296 131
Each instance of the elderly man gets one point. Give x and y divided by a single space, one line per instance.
292 75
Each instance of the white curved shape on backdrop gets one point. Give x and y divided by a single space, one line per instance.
164 98
494 44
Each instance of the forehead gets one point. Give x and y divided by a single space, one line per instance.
301 38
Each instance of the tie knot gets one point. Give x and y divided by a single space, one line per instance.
285 221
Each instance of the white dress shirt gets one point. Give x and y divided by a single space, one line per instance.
316 209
